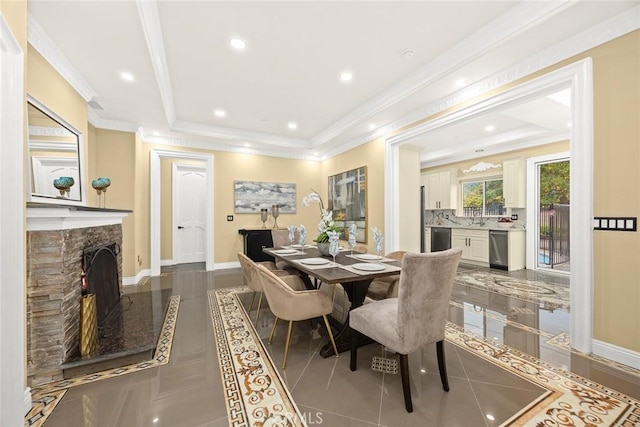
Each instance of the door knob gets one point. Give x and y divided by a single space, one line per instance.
180 227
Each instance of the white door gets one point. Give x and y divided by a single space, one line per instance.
188 213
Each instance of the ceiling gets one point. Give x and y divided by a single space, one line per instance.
405 57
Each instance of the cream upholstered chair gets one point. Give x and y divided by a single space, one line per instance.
292 305
416 318
386 287
252 281
280 237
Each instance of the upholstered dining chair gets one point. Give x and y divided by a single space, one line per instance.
249 272
387 286
280 237
416 318
292 305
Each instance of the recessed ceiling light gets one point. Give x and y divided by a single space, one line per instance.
246 144
315 153
460 82
490 128
372 126
237 43
346 76
292 125
127 76
156 133
220 113
568 124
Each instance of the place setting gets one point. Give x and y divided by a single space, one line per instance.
373 262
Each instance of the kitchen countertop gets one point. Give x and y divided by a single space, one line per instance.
477 227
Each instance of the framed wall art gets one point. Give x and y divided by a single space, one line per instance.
348 201
251 196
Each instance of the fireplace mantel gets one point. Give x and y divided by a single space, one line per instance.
41 217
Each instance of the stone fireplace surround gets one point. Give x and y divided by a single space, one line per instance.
56 238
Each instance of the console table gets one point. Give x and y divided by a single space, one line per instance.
254 240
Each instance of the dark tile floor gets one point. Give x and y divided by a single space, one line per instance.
188 390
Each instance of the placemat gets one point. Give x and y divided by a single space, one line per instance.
387 268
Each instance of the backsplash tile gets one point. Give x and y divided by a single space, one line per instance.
448 218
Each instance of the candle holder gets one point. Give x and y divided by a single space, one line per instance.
100 185
275 211
63 184
264 216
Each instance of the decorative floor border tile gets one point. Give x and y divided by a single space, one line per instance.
571 400
255 393
45 397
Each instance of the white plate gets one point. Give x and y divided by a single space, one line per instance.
367 256
366 266
314 261
284 251
296 246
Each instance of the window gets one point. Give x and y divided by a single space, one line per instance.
483 198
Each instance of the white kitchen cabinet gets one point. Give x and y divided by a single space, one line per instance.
517 250
440 189
474 244
514 188
427 239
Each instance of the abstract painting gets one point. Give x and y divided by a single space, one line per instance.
251 196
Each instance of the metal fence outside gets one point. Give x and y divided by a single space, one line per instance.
554 235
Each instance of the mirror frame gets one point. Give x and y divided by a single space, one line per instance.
34 198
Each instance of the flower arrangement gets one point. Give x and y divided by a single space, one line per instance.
326 223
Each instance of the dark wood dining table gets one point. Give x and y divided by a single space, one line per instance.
354 284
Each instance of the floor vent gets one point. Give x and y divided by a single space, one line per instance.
385 365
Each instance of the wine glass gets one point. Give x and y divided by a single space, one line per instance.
275 211
334 248
264 215
302 239
292 234
352 237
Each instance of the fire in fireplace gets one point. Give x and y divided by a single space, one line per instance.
101 267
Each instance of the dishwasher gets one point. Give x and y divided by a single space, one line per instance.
499 249
440 239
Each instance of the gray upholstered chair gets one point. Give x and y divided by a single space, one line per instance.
292 305
416 318
252 281
387 286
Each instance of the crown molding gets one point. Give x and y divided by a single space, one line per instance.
101 123
41 42
150 20
50 131
238 134
599 34
509 24
212 146
53 146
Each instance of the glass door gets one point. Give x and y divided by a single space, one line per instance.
552 215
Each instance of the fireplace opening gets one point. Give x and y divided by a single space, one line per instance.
101 267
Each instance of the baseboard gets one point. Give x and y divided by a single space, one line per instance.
27 400
165 262
128 281
226 265
616 353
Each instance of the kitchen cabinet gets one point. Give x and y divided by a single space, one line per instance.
440 189
474 244
514 174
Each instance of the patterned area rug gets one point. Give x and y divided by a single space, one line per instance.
551 295
256 394
46 397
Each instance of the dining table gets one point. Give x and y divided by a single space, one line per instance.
354 271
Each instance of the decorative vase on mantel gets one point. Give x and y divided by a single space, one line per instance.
323 248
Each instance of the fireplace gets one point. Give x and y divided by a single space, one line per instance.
101 269
58 239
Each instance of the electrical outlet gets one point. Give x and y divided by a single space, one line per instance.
229 217
514 217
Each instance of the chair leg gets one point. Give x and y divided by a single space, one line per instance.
406 383
258 312
286 346
354 349
333 343
273 329
253 297
442 365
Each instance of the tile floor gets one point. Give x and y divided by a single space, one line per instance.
188 390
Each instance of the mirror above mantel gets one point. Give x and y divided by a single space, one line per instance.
55 158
